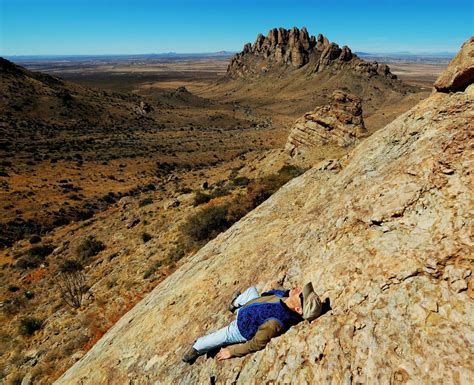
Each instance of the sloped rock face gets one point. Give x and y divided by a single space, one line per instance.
339 123
386 239
460 72
296 48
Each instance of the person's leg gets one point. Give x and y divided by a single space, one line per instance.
248 295
225 336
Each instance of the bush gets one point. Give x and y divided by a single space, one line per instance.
29 325
240 181
179 251
41 251
290 172
151 270
207 223
35 239
70 265
13 305
146 237
34 257
89 247
71 282
201 198
145 202
13 288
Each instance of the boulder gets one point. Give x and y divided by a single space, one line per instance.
339 123
460 71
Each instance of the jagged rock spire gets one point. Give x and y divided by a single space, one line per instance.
296 48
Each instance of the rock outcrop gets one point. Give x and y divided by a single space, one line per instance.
387 239
339 123
460 72
296 48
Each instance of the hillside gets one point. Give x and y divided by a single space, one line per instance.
385 236
69 151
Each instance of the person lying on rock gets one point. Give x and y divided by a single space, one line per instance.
259 319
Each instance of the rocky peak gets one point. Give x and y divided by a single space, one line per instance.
296 48
338 123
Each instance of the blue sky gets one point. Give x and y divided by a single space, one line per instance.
61 27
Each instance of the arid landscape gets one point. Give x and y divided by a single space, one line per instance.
116 171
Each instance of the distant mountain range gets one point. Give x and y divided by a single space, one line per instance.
166 55
219 54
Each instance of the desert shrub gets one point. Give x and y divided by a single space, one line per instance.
13 305
13 288
71 283
29 325
207 223
82 215
290 171
145 202
29 294
145 237
41 251
35 239
240 181
178 251
185 190
34 257
151 270
70 265
89 247
201 198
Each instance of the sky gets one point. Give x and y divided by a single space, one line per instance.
95 27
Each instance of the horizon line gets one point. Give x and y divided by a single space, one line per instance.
170 53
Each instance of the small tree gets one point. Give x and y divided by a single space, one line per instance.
71 283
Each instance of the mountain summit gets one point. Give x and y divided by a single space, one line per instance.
295 48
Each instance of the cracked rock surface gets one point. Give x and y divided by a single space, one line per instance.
387 238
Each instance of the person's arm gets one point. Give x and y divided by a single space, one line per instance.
278 293
265 333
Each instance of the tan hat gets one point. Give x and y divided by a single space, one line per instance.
312 305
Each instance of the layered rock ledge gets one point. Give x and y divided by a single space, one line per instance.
339 123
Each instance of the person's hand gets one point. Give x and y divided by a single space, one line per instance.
223 354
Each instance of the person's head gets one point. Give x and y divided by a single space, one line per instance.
305 302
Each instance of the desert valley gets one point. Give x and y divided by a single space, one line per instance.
139 191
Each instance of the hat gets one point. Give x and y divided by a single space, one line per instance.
312 305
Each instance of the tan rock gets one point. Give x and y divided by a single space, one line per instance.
460 72
339 123
394 318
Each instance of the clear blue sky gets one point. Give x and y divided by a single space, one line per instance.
61 27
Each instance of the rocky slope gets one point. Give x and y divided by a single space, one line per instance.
339 123
386 238
41 100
